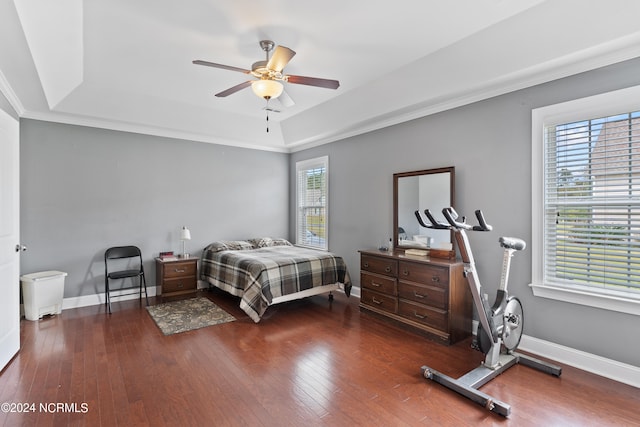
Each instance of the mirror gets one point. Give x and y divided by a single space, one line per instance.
418 190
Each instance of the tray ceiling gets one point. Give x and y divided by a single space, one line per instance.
126 65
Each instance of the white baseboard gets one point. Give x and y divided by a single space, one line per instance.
608 368
97 299
355 292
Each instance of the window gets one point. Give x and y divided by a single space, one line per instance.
586 201
311 202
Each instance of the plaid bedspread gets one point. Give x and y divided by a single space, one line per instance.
259 275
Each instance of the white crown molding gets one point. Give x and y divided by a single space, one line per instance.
10 95
73 119
620 50
602 55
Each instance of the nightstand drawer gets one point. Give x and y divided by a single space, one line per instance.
179 284
179 269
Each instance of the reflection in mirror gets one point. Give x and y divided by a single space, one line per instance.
419 190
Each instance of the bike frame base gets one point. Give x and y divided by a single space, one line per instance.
468 384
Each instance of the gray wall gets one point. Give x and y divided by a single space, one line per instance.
489 143
85 189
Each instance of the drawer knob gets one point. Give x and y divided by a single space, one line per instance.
387 269
179 270
405 272
377 285
376 301
419 316
180 285
366 265
417 295
435 279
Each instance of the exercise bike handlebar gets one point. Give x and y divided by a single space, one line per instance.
451 216
483 226
433 223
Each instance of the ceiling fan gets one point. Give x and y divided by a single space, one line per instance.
270 75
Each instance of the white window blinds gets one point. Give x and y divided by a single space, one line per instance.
311 202
592 203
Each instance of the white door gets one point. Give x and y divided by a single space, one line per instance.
9 239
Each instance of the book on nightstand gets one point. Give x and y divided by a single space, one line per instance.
167 256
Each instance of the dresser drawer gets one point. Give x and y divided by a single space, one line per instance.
179 284
429 295
379 301
376 282
424 273
380 265
430 316
179 269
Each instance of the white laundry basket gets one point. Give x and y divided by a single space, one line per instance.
42 293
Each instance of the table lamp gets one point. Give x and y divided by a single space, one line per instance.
185 234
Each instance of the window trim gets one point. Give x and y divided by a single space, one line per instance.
606 104
305 165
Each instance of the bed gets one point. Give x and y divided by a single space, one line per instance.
268 271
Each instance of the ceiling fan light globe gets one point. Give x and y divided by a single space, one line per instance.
268 89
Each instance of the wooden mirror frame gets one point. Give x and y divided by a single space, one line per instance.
396 176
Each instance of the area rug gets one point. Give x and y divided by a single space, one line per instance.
188 314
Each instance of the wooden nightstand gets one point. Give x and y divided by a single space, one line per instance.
177 277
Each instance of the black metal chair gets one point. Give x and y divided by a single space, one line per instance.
121 262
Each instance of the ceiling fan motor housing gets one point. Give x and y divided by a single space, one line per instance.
261 71
267 45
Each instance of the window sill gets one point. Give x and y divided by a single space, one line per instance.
317 248
607 300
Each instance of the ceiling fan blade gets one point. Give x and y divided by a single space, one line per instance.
234 89
224 67
313 81
281 57
285 100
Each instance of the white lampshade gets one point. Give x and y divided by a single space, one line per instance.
268 89
185 234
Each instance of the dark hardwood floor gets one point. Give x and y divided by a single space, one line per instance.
307 363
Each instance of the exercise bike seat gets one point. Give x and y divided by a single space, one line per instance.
512 243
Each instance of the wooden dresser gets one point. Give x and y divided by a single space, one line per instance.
177 277
427 295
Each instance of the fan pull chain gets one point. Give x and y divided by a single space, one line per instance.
267 108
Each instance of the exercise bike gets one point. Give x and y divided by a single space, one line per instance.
500 324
